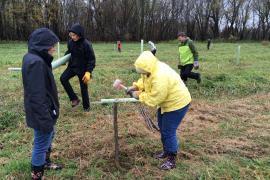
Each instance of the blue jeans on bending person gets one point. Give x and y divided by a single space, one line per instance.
168 123
42 143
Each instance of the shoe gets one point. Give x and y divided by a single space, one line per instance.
161 155
86 109
37 172
50 165
199 79
169 163
75 103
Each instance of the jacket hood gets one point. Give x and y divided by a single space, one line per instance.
77 29
41 40
146 61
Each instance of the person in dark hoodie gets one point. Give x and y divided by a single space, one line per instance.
81 64
40 97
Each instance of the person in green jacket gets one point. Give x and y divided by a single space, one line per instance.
188 58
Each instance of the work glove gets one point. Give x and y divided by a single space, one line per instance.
86 78
130 90
136 94
196 64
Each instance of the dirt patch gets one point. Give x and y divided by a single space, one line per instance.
92 143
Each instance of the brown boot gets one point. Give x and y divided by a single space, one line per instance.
75 103
37 172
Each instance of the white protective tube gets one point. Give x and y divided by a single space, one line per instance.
118 100
55 64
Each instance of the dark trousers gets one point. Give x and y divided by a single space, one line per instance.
186 72
65 77
154 52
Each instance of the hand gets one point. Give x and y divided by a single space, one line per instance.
131 89
86 78
135 94
196 64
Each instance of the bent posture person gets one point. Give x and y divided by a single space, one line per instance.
160 86
188 58
40 97
81 64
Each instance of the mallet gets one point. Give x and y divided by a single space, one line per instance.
118 85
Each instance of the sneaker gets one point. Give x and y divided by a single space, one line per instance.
75 103
86 109
199 79
161 155
169 163
52 166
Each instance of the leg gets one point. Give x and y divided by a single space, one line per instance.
162 154
154 52
40 146
171 121
183 73
84 92
65 77
187 73
48 163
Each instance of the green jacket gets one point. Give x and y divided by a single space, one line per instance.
187 52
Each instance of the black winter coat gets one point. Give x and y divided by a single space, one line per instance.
40 93
82 54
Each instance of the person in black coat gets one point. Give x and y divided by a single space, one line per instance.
40 97
81 64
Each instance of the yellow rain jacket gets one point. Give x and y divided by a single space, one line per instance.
163 87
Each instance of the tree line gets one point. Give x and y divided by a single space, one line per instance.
111 20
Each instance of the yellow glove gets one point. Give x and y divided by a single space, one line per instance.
86 78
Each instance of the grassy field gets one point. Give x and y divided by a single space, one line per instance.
225 135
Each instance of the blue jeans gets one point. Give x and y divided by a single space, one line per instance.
42 142
168 123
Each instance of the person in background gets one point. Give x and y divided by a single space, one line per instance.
40 98
188 57
209 43
81 64
152 47
119 46
161 87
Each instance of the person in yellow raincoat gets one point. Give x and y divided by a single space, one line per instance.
160 86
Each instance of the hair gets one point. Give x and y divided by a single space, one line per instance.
183 34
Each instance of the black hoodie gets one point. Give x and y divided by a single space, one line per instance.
82 54
40 94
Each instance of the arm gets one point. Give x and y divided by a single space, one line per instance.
68 50
157 95
139 84
90 58
193 50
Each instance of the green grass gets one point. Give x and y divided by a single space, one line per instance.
225 135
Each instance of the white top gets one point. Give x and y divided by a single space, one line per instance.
152 45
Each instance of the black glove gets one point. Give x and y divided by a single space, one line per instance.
130 90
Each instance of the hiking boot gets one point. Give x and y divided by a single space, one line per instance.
75 103
161 155
37 172
169 163
199 79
